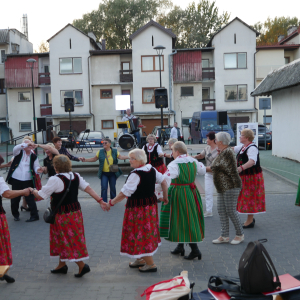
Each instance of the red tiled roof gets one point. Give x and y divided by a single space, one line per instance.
290 36
286 46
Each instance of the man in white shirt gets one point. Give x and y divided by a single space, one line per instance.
175 132
128 117
21 175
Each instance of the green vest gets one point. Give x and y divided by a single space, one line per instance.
114 153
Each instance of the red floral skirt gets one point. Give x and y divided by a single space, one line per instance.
140 233
67 238
161 168
252 196
5 247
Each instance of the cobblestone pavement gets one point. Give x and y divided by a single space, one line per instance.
110 276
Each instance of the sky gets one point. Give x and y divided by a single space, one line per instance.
46 18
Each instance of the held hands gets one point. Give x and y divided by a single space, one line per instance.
26 192
82 159
240 169
165 201
40 170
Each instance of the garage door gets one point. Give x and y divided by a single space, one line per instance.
234 120
150 123
76 125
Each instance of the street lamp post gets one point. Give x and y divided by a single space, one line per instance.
32 61
159 50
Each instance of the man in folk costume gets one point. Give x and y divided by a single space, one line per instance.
181 220
21 175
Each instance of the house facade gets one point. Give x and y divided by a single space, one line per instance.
11 41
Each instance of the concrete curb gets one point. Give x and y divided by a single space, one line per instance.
280 177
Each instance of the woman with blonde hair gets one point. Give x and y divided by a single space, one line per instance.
252 196
140 232
169 157
154 154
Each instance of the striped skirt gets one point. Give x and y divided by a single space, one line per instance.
181 220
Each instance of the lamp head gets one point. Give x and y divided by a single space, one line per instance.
31 60
159 49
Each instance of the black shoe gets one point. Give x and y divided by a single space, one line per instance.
253 220
251 225
84 270
194 253
8 279
24 208
32 219
63 270
16 219
179 249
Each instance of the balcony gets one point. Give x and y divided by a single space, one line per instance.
208 73
44 78
126 76
208 104
46 109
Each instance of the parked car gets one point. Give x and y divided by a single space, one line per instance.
205 121
93 138
262 131
68 138
166 135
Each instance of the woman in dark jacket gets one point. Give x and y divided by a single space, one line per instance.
67 238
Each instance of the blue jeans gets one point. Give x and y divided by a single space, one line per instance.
111 178
138 136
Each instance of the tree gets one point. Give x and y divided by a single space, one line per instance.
116 20
272 28
195 25
43 47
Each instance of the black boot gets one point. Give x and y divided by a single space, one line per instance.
7 278
194 253
179 249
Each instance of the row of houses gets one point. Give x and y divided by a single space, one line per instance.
220 76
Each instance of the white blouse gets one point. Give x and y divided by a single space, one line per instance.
159 150
251 153
133 180
173 170
56 185
3 186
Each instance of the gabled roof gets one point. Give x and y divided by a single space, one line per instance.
238 19
277 46
290 36
282 78
92 40
155 24
111 52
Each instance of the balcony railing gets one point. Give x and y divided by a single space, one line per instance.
208 104
126 76
44 79
208 73
46 109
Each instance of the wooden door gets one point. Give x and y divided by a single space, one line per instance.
150 123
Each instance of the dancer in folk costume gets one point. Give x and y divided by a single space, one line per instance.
5 247
154 154
182 219
252 196
140 233
67 239
297 203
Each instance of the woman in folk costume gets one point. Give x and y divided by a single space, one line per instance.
5 247
154 154
182 219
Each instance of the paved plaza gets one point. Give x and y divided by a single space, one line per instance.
110 276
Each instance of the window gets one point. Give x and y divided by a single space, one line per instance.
2 86
148 95
107 124
187 91
70 65
205 93
235 92
3 56
234 38
24 96
48 98
205 63
235 60
151 63
186 121
286 60
77 95
106 94
268 120
25 126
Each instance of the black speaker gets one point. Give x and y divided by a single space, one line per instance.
222 117
161 98
41 124
69 104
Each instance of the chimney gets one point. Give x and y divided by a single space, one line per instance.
291 29
280 37
103 44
